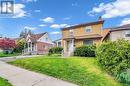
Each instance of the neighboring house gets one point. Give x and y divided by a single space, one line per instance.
119 32
38 43
82 34
58 43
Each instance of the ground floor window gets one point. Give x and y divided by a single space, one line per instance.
88 42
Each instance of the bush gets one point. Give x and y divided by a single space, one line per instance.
114 56
19 46
55 50
123 77
85 51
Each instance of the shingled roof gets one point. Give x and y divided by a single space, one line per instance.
35 37
123 27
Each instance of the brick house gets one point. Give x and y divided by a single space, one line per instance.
37 43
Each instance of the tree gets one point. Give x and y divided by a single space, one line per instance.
19 45
24 33
7 43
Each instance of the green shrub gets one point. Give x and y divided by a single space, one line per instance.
55 50
85 51
114 56
123 77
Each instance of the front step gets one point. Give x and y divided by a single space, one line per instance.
67 54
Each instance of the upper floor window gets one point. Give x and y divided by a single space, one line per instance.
46 39
71 32
127 34
88 29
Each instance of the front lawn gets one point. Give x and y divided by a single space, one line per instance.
4 82
81 71
8 55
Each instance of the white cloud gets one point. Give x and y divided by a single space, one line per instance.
37 11
30 28
125 21
19 11
67 18
113 9
29 0
74 4
55 33
48 20
42 25
55 26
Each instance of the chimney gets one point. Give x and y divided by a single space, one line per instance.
100 18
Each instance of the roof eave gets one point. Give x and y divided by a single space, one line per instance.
85 24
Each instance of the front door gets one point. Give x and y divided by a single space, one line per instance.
70 46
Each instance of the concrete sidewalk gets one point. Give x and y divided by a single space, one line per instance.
12 58
21 77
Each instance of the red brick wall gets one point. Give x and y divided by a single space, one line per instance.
43 48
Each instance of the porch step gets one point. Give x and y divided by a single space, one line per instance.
66 54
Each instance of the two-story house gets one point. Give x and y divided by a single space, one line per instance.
38 43
82 34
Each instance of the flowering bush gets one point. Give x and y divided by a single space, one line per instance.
7 44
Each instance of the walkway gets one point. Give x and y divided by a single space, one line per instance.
7 59
21 77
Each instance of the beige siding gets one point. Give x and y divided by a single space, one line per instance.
115 35
96 29
80 31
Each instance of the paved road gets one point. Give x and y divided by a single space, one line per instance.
21 77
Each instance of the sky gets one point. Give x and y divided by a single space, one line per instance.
52 15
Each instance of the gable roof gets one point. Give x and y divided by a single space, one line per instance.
105 33
123 27
35 37
84 24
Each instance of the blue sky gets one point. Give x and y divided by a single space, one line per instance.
51 15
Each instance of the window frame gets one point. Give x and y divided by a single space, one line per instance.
127 33
88 28
90 42
71 32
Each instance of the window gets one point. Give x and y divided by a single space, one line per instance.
88 42
46 39
59 44
88 29
44 46
127 34
71 32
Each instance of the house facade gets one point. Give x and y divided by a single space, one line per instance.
37 44
58 43
82 34
119 32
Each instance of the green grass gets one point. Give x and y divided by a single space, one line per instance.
4 82
81 71
8 55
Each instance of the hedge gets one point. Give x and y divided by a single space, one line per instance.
55 50
85 51
114 57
